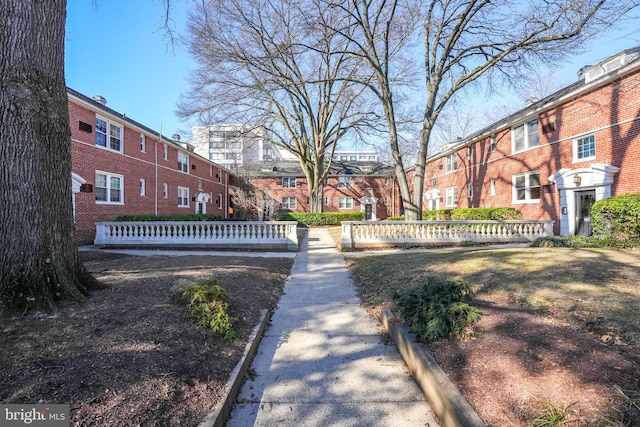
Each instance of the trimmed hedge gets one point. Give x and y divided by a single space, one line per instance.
467 214
320 218
182 217
617 220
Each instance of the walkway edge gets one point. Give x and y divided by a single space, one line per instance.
218 417
445 399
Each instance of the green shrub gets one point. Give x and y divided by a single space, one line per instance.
208 302
395 218
182 217
569 242
437 309
473 214
617 220
320 218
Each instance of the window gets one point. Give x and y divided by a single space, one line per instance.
109 188
452 162
216 144
525 136
352 158
288 182
216 156
492 144
183 197
289 203
143 187
469 191
326 201
183 162
165 190
166 152
219 201
108 135
386 200
345 203
433 183
584 148
492 187
526 187
469 152
345 182
343 158
143 143
452 196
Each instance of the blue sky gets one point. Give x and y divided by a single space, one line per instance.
117 49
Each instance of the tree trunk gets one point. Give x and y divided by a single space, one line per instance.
39 262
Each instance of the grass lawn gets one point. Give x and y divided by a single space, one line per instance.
595 287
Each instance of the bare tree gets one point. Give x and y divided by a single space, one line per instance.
39 262
275 65
463 41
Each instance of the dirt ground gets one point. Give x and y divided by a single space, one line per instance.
525 365
134 357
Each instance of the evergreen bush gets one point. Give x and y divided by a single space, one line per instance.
208 302
437 309
181 217
617 220
320 218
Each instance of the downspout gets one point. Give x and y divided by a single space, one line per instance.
156 166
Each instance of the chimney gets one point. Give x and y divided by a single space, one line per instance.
100 99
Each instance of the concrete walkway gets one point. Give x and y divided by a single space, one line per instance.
322 361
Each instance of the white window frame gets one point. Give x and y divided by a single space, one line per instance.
219 201
143 143
345 203
289 203
111 128
326 201
469 191
165 191
451 196
451 162
492 144
289 182
166 152
527 136
183 197
576 148
526 188
143 187
345 182
492 187
108 176
183 162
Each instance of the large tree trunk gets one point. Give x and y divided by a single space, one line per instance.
39 262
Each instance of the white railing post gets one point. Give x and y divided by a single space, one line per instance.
346 240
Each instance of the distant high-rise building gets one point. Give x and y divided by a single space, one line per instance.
233 145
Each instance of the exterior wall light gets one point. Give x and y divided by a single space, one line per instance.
577 179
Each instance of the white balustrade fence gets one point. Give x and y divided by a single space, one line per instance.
259 235
356 234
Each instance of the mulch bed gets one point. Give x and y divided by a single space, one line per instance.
133 357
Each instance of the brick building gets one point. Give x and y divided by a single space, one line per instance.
351 186
122 167
553 159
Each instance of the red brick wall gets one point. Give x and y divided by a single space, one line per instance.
611 113
133 165
381 188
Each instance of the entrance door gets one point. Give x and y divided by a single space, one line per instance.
368 210
201 208
584 202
